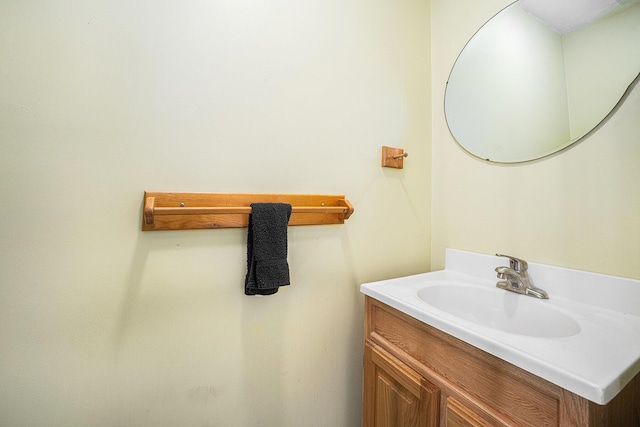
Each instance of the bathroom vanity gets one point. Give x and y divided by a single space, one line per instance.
427 365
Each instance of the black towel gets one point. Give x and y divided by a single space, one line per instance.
267 267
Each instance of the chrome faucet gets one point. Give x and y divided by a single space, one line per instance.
516 278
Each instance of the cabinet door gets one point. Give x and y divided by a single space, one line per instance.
395 395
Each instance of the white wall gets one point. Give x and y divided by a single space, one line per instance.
102 324
577 209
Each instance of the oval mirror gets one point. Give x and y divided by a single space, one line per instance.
540 75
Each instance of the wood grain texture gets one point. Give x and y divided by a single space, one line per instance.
188 211
459 415
623 410
476 388
395 395
497 387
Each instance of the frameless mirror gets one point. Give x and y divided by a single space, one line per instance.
542 74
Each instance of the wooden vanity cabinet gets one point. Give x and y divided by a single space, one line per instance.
416 375
398 395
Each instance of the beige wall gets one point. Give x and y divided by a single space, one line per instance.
102 324
578 209
593 45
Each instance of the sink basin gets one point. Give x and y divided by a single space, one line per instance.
585 338
499 309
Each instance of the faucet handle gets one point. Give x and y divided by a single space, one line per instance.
516 263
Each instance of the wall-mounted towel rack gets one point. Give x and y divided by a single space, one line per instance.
185 211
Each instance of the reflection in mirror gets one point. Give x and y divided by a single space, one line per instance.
532 81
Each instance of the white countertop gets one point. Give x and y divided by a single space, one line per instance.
596 363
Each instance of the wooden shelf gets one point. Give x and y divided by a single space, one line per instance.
187 211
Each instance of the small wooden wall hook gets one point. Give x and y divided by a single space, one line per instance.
393 157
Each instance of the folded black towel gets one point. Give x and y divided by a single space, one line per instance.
267 267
